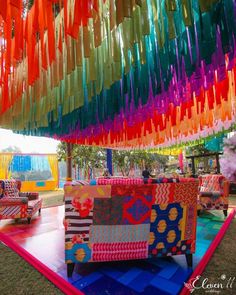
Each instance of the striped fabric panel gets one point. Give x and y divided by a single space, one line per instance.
13 201
68 205
119 233
82 182
10 211
76 224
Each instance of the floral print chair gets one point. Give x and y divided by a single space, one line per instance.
213 193
16 205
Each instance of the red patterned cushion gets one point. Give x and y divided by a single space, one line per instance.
9 188
211 183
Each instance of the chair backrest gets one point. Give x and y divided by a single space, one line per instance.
9 188
211 183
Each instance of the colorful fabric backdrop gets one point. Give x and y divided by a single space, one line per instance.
125 73
10 163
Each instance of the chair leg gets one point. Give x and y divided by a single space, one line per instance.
29 219
39 211
189 260
70 269
225 212
198 212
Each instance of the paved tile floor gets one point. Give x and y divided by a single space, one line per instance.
44 238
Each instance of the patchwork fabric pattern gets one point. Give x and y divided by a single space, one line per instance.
182 247
85 191
112 207
132 190
165 226
119 233
77 226
77 252
186 192
131 181
164 193
137 209
119 251
191 223
123 222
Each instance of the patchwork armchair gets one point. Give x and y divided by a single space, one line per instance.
125 220
213 193
16 205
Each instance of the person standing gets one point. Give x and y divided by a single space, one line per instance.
146 173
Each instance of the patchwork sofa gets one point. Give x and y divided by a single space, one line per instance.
213 193
17 205
125 220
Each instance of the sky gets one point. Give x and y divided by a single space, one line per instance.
27 144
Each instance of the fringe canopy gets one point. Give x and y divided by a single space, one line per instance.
121 73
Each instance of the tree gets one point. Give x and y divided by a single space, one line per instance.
199 149
87 157
126 160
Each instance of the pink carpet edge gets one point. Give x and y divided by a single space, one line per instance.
210 251
53 277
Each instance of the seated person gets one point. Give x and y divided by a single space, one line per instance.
200 171
106 173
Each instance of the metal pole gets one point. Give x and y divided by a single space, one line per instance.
109 161
69 161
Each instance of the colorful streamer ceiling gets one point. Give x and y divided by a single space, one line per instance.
118 73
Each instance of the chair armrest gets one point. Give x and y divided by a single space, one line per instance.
13 201
226 185
30 195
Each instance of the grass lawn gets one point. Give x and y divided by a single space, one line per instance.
52 198
20 278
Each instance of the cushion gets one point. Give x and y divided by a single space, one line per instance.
211 183
9 188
